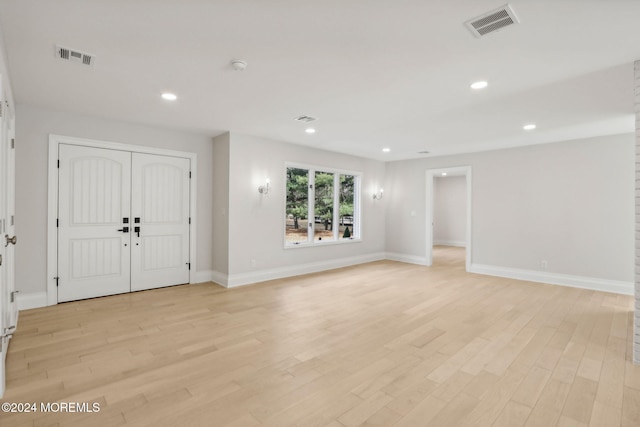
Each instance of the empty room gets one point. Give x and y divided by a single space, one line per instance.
339 213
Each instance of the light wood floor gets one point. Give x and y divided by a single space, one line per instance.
382 344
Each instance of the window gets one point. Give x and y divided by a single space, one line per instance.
322 206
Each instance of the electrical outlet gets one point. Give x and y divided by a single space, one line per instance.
543 265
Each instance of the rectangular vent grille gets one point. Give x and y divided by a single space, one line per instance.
73 55
492 21
305 119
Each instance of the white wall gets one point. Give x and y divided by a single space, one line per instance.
570 203
4 74
256 222
450 210
33 126
220 193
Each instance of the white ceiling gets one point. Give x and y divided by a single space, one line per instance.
377 73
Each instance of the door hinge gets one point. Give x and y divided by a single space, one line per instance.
189 174
58 163
189 220
57 281
13 143
57 222
7 333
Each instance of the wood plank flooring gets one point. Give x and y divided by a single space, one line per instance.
381 344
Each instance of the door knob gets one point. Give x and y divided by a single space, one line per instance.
13 240
124 229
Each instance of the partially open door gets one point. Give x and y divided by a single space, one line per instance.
8 239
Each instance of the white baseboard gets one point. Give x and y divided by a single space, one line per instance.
615 286
219 278
410 259
460 244
209 276
242 279
31 300
202 276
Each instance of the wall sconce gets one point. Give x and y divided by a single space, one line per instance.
264 189
378 195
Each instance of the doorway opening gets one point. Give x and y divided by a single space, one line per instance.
449 217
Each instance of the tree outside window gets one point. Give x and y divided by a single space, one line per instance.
321 206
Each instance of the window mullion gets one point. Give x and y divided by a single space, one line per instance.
311 198
357 200
357 206
336 207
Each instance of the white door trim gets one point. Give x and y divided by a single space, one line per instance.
431 173
52 214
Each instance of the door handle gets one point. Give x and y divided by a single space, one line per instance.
13 240
136 230
124 229
13 296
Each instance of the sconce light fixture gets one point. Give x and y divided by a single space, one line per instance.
378 195
264 189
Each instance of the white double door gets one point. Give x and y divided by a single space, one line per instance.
123 221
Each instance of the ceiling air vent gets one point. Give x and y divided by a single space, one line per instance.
72 55
305 119
492 21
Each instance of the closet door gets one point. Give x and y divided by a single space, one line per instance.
160 221
93 239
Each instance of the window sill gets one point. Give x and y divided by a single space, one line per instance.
322 243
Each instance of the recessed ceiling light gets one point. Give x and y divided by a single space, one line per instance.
444 174
386 150
529 127
169 96
239 64
310 130
479 85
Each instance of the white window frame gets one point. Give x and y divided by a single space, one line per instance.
357 206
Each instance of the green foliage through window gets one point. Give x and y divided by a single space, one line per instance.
320 206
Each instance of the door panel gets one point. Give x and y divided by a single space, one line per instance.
158 252
8 303
94 199
95 257
10 228
160 201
